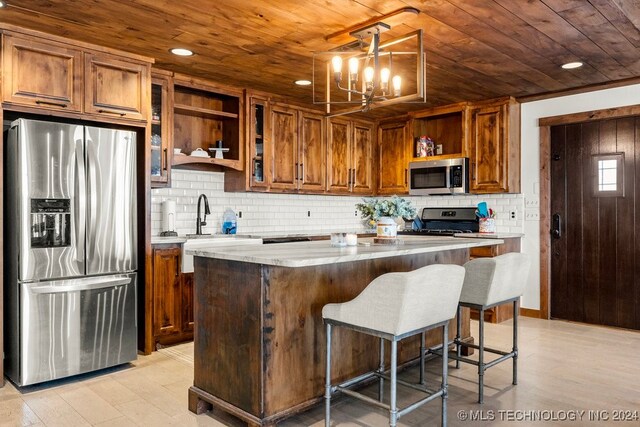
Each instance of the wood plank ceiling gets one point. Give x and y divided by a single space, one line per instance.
474 49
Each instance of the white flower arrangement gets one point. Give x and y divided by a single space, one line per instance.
373 209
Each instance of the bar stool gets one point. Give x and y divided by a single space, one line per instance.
392 307
490 282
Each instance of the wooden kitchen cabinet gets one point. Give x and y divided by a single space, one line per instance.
495 147
502 312
297 150
116 88
312 152
447 128
349 157
41 74
172 296
393 157
161 129
203 113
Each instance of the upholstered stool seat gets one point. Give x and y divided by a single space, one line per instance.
395 306
490 282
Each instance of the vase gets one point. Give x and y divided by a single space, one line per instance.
487 225
386 228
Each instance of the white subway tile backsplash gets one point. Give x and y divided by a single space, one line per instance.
288 212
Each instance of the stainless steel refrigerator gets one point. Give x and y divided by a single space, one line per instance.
70 236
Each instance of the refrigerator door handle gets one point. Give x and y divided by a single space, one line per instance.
92 203
81 200
81 285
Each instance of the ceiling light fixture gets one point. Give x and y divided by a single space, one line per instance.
303 82
369 72
572 65
181 51
2 4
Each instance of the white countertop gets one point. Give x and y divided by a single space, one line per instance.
303 254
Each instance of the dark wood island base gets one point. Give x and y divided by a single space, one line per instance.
259 345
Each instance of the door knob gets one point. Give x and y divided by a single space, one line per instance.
556 230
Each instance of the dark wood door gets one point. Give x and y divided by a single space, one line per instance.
393 158
284 148
595 244
339 156
167 297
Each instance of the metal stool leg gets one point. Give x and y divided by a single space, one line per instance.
422 350
381 371
515 342
445 366
481 358
393 409
458 326
327 388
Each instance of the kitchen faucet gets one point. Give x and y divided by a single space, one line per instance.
199 222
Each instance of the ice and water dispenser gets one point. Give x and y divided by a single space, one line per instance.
50 223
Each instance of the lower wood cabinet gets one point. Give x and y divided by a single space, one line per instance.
172 297
502 312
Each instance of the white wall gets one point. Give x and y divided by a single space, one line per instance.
530 138
288 213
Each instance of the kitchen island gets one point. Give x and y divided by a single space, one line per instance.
259 344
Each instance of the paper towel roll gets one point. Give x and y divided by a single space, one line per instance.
169 215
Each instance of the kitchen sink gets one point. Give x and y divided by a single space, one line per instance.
212 241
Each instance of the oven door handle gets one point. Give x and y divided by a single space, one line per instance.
81 285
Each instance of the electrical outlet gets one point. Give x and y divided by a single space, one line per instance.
356 213
309 213
532 215
514 215
239 214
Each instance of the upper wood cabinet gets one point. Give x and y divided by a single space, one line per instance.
114 87
284 148
297 150
393 157
349 156
495 147
41 74
447 128
161 129
203 114
312 152
73 79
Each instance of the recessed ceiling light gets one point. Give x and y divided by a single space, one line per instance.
302 82
3 4
572 65
181 52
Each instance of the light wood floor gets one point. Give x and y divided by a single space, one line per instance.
563 367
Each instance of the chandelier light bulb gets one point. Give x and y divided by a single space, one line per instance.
368 77
336 61
397 85
384 79
353 69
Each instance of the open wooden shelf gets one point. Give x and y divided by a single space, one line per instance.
190 160
202 112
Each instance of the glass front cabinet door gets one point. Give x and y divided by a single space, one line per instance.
161 129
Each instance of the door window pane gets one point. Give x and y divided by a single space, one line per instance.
608 174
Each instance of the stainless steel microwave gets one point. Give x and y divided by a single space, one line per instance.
450 176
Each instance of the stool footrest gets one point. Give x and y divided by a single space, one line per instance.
364 398
407 384
498 360
489 349
357 379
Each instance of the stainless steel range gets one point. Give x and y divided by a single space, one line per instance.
445 222
70 235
